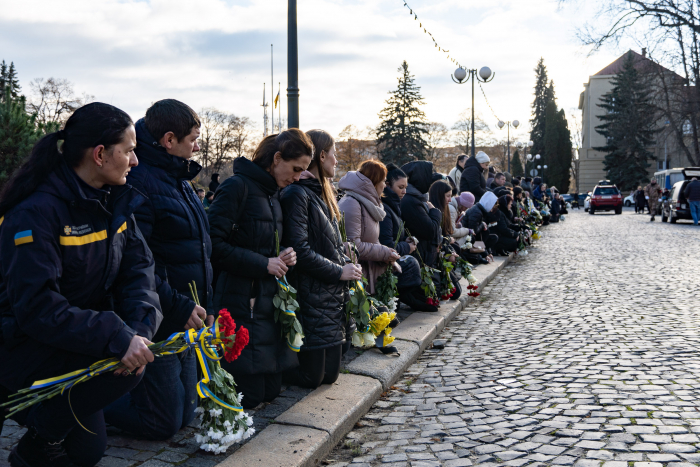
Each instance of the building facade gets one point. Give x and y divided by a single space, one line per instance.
591 168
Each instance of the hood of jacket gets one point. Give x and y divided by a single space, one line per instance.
419 174
472 162
413 191
488 201
257 174
357 183
148 150
312 184
392 200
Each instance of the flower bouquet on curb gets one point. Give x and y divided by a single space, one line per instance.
464 269
473 290
446 286
381 326
211 344
286 305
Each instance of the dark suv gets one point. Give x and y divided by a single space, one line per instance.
605 197
677 206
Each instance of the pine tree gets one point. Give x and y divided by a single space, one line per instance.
401 136
8 78
18 133
516 165
628 126
558 149
544 93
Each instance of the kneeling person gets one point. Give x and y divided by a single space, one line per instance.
175 225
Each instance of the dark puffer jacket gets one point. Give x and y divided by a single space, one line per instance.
473 179
77 276
320 260
475 217
175 225
243 237
504 229
421 222
391 224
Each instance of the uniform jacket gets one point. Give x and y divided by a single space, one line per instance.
308 229
174 223
77 276
244 216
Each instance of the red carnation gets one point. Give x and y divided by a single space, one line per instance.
226 324
242 339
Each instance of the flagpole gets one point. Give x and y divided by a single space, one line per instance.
292 66
272 87
279 91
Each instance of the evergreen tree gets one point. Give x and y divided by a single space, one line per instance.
557 142
8 78
401 136
628 126
544 93
516 165
18 133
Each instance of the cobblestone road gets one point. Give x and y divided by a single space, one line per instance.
586 353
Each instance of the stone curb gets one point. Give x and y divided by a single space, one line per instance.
308 431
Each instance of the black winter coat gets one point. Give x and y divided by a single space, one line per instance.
77 276
320 259
474 218
243 237
421 222
473 179
504 227
692 191
391 224
174 223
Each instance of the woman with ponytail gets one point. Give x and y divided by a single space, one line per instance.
244 218
77 283
320 276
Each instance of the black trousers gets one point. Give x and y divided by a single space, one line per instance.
316 367
258 388
61 417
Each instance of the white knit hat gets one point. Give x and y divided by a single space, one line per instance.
482 157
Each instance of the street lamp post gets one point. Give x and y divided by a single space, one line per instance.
531 158
525 147
462 76
292 67
515 124
543 169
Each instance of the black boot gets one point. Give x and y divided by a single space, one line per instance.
415 298
34 451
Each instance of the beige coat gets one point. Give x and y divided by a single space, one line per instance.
362 207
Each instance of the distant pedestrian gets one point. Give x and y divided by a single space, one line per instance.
214 184
472 179
652 193
692 194
208 199
200 194
456 172
639 200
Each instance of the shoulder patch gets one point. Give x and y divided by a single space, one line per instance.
23 237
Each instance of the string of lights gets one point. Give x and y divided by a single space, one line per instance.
446 52
487 103
425 31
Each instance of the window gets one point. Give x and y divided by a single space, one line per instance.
687 128
661 165
606 190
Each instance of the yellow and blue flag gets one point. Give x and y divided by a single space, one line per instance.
23 237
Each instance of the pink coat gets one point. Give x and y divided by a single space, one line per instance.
362 226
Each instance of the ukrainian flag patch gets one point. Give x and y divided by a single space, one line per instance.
23 237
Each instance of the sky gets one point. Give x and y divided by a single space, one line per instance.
216 53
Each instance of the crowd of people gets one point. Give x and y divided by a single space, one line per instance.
103 240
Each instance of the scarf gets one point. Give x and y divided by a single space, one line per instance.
377 212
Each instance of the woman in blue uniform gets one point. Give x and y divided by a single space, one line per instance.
76 283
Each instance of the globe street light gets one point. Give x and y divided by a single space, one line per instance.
461 76
515 124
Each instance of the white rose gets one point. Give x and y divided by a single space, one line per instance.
298 342
368 337
357 339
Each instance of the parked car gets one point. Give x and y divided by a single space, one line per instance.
677 206
587 202
605 197
568 198
629 201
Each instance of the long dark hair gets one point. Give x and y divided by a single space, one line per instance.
323 141
292 144
436 195
90 126
394 173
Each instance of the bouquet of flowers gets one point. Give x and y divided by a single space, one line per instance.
380 326
426 279
473 290
386 287
464 269
285 304
446 285
208 343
